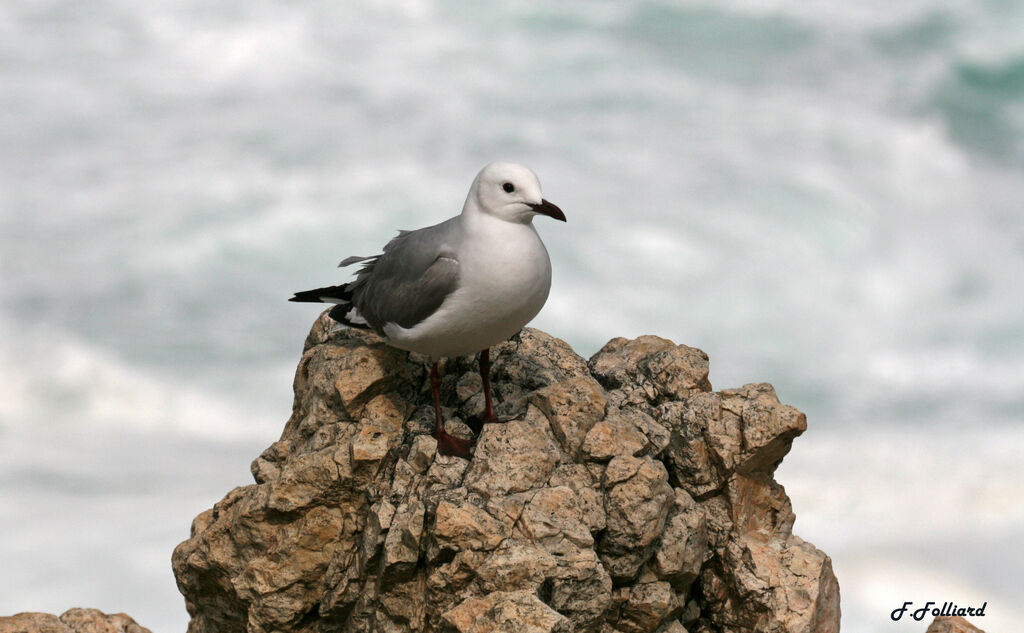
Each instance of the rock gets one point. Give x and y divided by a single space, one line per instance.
555 513
421 453
767 427
402 543
580 586
511 612
683 548
783 582
743 430
71 621
650 369
32 623
572 408
467 527
513 456
515 565
619 495
957 624
637 502
647 606
615 435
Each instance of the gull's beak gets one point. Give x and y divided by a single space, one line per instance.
548 209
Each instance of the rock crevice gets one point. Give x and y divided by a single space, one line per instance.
621 494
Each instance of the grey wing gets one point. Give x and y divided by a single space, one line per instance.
410 280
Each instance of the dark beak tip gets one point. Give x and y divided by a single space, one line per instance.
550 210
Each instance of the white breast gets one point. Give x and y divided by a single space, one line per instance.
504 279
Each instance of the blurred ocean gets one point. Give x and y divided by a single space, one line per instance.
824 195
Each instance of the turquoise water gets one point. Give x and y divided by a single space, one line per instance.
824 196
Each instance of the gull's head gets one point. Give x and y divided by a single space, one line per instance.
510 192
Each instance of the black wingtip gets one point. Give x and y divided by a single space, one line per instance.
318 295
306 297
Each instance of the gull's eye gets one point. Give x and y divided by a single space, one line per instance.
508 187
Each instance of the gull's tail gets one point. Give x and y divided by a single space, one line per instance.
343 312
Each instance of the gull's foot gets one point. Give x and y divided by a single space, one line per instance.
451 445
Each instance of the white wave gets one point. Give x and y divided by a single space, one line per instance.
54 383
835 14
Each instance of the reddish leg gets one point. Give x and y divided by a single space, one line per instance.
446 444
485 375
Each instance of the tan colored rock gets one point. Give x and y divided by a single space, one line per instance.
783 585
451 582
386 412
357 524
688 456
513 456
580 587
362 374
509 508
572 408
95 621
506 612
683 547
267 467
614 436
460 527
446 472
620 470
647 606
677 372
637 508
422 452
713 435
577 478
617 364
371 445
954 624
402 544
71 621
515 565
270 563
650 369
768 427
534 359
31 622
554 513
303 480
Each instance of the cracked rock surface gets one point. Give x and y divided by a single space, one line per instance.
71 621
619 494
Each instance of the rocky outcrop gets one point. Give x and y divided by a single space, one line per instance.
622 494
957 624
71 621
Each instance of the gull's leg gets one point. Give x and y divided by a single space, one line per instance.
446 444
485 375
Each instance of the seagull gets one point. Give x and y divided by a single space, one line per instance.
458 287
